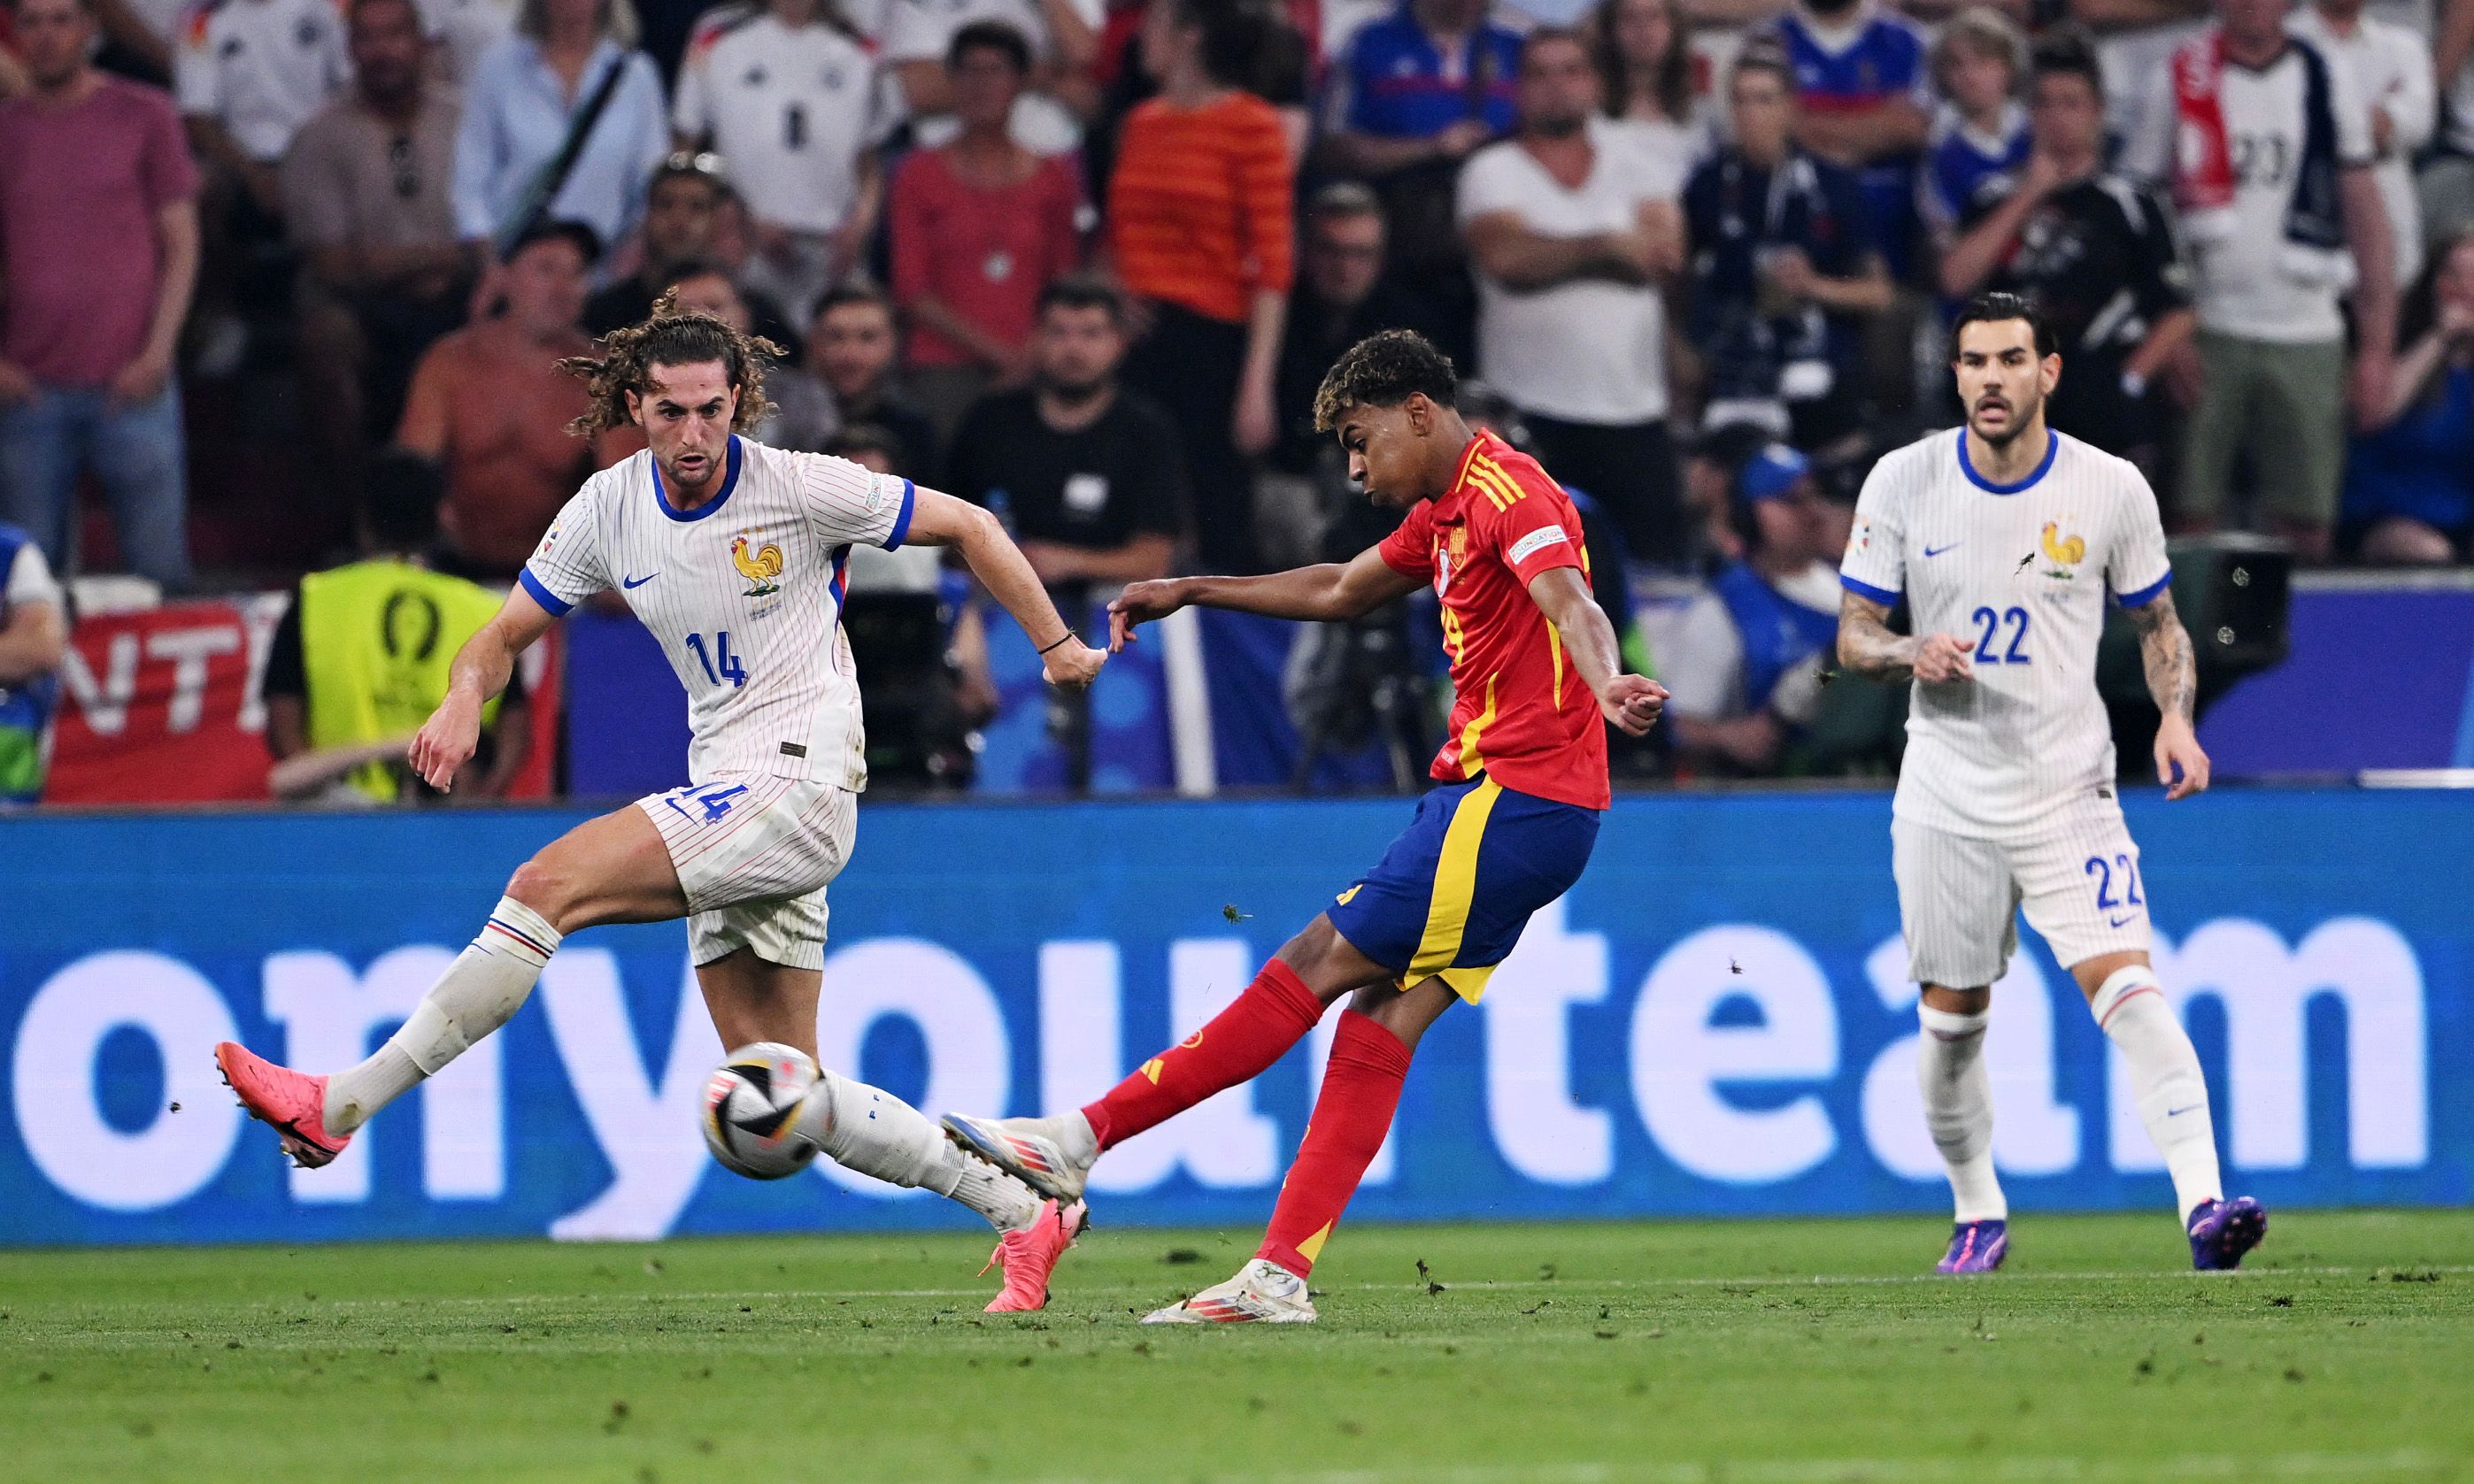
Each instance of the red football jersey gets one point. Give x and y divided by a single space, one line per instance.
1523 716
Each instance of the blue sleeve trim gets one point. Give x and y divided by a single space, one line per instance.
552 603
2148 594
1867 589
902 521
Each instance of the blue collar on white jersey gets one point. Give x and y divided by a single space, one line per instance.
729 482
2052 446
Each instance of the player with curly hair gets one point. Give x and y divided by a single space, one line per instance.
731 553
1521 784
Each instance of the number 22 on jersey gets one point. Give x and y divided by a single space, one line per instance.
720 664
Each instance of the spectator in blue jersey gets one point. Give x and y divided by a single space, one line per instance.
1862 101
1979 130
1413 94
2410 482
1743 663
33 636
1785 270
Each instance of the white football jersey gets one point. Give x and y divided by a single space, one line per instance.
744 593
262 67
789 107
2018 574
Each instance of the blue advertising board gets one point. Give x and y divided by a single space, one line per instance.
1715 1021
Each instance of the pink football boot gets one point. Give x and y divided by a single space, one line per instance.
293 1103
1029 1254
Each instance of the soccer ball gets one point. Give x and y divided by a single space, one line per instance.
751 1110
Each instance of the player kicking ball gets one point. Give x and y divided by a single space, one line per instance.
2004 537
1522 781
732 554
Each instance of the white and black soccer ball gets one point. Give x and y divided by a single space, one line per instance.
751 1110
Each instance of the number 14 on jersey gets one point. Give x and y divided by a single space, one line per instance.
720 664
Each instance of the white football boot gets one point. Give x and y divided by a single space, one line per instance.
1053 1156
1262 1293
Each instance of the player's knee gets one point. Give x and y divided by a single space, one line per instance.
545 889
1957 1002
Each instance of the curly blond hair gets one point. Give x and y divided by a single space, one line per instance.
670 336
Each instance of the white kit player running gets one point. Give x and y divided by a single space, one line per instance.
2005 537
731 553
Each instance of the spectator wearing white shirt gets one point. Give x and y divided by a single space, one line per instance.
2268 157
249 74
2391 67
791 98
461 32
527 94
1573 226
1064 92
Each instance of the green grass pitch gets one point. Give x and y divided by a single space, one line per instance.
1756 1353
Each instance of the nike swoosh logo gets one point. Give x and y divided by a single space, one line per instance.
637 582
2118 921
1935 551
2175 1113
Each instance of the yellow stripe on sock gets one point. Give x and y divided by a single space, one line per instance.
1455 884
1311 1249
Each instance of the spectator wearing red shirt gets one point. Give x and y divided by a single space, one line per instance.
1201 221
92 296
979 227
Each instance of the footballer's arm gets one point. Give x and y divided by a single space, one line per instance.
2173 681
1867 647
1327 592
942 520
1631 702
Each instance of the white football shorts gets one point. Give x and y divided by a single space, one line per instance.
754 855
1959 896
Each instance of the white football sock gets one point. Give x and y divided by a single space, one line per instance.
2165 1077
485 986
1958 1109
870 1130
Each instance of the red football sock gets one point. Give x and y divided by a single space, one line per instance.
1274 1014
1361 1090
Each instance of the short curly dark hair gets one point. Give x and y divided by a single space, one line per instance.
669 336
1384 370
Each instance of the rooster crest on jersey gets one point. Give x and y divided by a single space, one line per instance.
760 567
2064 554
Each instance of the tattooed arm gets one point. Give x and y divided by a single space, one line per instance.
2173 681
1866 646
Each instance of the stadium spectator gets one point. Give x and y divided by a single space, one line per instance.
491 406
34 636
365 201
803 416
2447 182
1201 223
2390 68
1413 94
979 227
2135 41
2277 232
1646 67
1089 471
1784 268
1743 663
1979 132
2091 249
1048 118
2410 484
685 206
791 97
98 256
851 349
249 74
1574 231
462 32
561 123
1342 296
360 659
1862 93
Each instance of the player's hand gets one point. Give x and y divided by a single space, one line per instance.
1941 659
446 741
1632 702
1141 603
2178 750
1072 666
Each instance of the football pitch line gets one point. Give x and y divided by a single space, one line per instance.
1871 1471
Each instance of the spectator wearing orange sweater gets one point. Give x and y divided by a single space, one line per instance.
1199 230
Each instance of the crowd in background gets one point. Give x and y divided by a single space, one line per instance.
258 257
